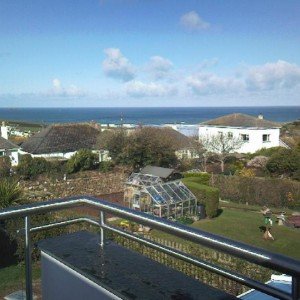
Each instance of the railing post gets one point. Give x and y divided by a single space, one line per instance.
28 271
296 288
102 222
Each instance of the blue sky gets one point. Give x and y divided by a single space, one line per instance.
149 53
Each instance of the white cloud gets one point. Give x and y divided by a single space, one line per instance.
61 91
159 66
140 89
208 83
116 65
193 21
273 76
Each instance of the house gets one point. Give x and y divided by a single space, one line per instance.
255 132
7 148
64 140
150 192
185 147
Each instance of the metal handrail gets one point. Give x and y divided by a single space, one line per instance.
252 254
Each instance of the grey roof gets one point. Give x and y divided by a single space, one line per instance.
62 138
157 171
7 145
242 120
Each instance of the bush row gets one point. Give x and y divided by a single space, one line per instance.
201 177
29 167
209 196
259 191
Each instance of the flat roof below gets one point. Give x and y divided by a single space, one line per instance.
125 273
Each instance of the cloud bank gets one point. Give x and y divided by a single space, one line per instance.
140 89
192 21
117 66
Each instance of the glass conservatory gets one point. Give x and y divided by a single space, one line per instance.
149 194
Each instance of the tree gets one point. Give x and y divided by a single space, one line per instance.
222 145
150 146
115 142
144 146
10 193
200 151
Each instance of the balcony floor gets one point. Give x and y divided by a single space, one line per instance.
125 273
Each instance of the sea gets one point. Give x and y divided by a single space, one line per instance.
144 116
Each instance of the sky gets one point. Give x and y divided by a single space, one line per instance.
145 53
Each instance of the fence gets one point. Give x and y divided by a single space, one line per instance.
206 254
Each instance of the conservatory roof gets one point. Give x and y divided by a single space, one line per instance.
143 179
170 192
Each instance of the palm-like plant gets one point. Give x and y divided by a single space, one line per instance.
10 193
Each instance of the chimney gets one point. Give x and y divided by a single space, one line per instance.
261 116
4 131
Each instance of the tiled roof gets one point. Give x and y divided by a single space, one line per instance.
6 144
62 138
242 120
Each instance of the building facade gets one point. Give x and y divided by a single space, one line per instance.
255 132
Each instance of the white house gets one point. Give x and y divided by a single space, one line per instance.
256 132
7 148
64 140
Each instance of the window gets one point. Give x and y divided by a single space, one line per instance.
245 137
266 138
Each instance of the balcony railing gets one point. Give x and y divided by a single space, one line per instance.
251 254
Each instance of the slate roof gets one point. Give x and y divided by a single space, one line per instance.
62 138
7 145
242 120
180 141
157 171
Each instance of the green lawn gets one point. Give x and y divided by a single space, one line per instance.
243 226
13 278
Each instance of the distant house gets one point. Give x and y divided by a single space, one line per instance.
7 148
64 140
184 145
256 132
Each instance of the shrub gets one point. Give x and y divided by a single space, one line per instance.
245 172
201 177
10 192
285 161
266 152
30 167
185 220
5 166
106 166
209 196
82 160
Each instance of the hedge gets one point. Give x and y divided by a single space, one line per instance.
201 177
209 196
259 191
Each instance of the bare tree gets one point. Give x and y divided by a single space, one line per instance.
200 151
222 145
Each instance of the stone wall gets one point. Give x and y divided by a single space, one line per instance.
90 183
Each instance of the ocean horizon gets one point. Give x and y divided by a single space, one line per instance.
144 115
